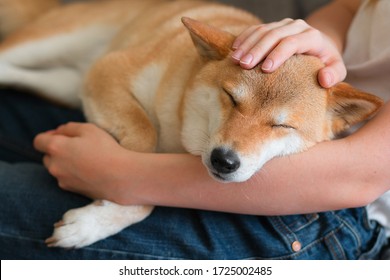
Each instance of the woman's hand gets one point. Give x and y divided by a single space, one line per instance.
84 159
275 42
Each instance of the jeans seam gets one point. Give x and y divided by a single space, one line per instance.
353 231
311 218
334 245
286 233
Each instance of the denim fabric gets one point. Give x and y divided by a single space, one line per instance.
30 202
21 118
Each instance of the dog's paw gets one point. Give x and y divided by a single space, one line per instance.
83 226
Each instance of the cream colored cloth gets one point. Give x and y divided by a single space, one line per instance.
367 56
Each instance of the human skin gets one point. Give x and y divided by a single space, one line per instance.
87 160
344 173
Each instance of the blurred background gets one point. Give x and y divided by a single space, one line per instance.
272 10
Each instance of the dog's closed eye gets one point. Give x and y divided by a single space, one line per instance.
281 120
230 95
283 126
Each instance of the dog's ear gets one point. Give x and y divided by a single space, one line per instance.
348 106
211 42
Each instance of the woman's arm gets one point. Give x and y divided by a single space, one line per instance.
344 173
350 172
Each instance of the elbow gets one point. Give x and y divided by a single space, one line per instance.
368 182
376 180
365 193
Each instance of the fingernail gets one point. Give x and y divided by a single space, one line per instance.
327 79
246 59
237 55
267 64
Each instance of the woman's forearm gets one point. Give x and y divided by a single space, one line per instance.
334 20
337 174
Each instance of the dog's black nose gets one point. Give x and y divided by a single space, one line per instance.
224 160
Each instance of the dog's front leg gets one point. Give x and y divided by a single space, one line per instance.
111 105
86 225
83 226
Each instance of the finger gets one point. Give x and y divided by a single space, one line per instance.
42 140
241 37
46 161
270 40
54 170
237 44
254 34
251 36
51 144
71 129
62 184
300 43
332 74
252 50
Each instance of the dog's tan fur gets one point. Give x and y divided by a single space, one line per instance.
157 85
17 13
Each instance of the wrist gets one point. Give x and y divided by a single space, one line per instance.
123 178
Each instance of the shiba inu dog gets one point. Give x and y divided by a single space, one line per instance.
158 76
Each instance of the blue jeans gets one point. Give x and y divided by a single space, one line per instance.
30 202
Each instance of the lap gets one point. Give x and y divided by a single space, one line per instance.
22 116
30 202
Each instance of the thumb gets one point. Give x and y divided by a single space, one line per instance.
332 74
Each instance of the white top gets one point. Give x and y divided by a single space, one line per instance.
367 56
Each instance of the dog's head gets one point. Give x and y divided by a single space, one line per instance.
239 119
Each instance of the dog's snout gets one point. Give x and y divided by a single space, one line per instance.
224 161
